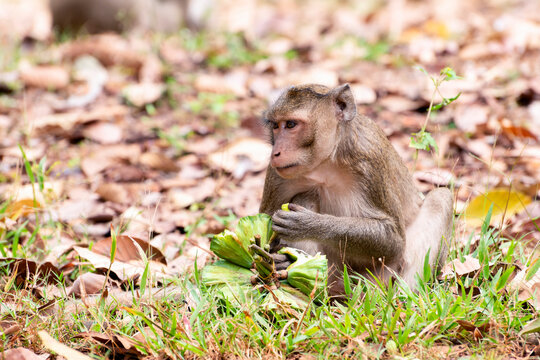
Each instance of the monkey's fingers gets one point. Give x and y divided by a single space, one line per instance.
283 231
281 261
285 217
279 257
283 265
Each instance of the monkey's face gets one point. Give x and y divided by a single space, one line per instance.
304 124
300 143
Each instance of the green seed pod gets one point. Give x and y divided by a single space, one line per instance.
249 226
227 246
285 207
307 272
286 295
224 272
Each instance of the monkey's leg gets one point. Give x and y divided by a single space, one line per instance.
431 231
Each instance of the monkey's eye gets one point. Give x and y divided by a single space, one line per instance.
290 124
274 125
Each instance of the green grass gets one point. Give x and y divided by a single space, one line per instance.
473 315
376 321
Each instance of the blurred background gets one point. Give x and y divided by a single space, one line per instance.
133 106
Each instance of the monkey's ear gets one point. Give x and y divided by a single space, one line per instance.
344 100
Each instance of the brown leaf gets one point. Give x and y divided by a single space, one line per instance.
456 267
22 354
182 198
9 327
66 121
25 270
398 104
439 177
241 156
127 251
109 49
20 208
516 131
143 93
363 94
115 342
150 71
527 289
87 284
123 270
468 117
113 192
467 325
328 77
103 133
233 83
158 161
125 173
44 76
59 348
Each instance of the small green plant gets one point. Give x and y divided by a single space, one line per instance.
213 105
423 140
371 51
175 137
237 52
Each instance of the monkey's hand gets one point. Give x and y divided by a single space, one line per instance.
297 224
281 261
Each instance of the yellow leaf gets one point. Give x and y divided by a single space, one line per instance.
21 208
437 28
505 203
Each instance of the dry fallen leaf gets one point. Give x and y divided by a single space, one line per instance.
458 268
113 192
103 133
27 270
87 284
439 177
527 289
22 207
241 156
506 203
233 83
468 117
115 342
59 348
143 93
123 270
158 161
45 77
22 354
126 249
109 49
363 94
66 121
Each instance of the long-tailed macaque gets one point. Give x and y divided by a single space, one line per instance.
351 196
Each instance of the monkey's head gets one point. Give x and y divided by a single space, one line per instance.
304 123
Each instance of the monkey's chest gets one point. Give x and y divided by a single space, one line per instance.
340 202
334 192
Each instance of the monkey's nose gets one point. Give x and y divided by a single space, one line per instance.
277 154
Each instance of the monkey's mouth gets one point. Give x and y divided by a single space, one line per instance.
286 166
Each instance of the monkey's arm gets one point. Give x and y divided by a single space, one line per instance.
375 237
